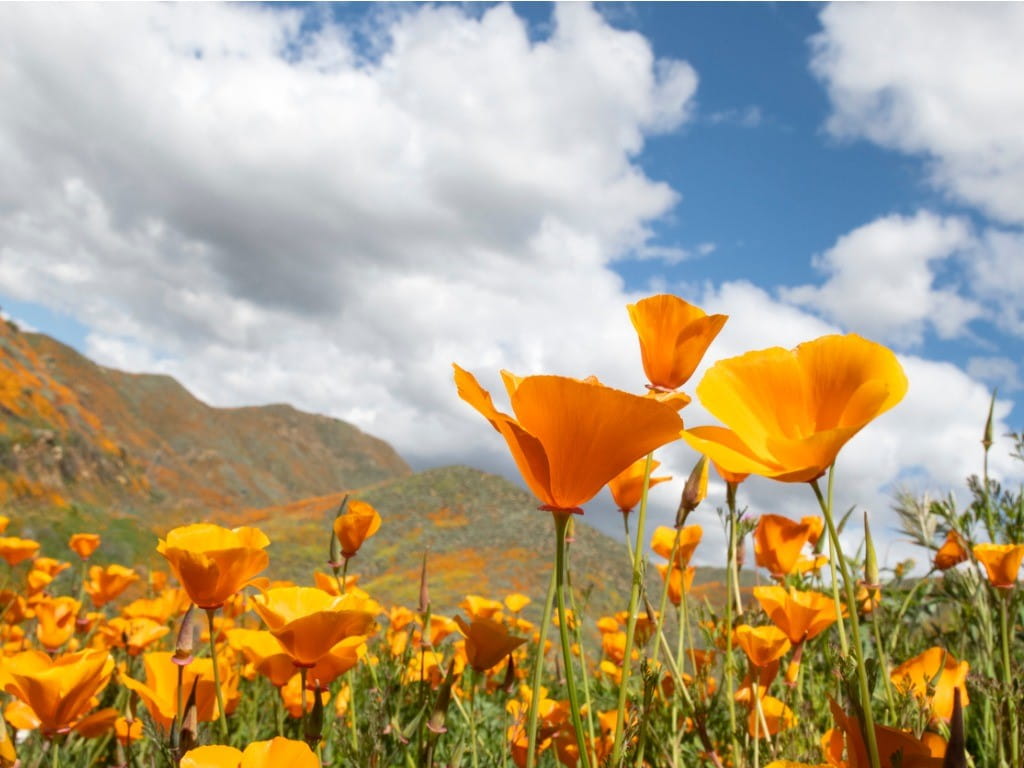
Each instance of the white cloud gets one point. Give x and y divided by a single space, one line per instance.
750 116
268 214
881 279
937 79
1001 372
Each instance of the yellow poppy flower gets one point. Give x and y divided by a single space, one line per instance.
211 562
789 412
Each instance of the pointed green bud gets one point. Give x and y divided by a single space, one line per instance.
871 575
694 491
335 556
986 441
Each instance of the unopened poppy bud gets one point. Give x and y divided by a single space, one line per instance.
424 592
186 638
986 440
444 697
694 491
508 684
315 721
335 551
871 577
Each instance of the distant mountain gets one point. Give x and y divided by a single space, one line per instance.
83 447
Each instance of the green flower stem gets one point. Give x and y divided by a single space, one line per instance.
663 602
561 522
578 635
1004 632
634 602
730 672
836 554
216 675
538 673
883 660
471 674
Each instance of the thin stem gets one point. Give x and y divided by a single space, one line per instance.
216 674
578 634
538 673
1004 632
851 604
561 522
730 672
844 645
472 716
634 602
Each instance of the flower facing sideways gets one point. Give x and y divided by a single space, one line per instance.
787 413
570 437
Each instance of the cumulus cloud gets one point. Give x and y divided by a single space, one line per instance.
881 279
1001 372
269 210
942 81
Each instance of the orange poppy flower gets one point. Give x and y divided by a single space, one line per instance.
292 698
516 602
160 690
260 754
55 617
339 660
134 635
481 607
266 655
777 715
570 437
127 731
84 544
896 748
487 642
789 412
763 645
1001 561
674 336
664 537
211 562
359 522
778 542
15 550
59 691
802 615
679 580
917 675
308 622
106 584
951 553
627 487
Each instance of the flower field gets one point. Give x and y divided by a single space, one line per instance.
833 661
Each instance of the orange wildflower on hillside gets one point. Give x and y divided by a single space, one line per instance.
211 562
59 691
276 752
570 437
933 676
487 642
674 336
84 544
627 487
801 615
15 550
789 412
106 584
359 522
1001 561
951 553
779 541
309 622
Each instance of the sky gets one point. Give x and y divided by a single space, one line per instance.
328 205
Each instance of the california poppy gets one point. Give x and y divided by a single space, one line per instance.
570 437
627 487
211 562
778 542
674 336
84 544
55 620
789 412
487 642
802 615
259 754
763 645
358 523
1001 561
107 583
663 539
59 690
159 692
895 748
776 715
679 580
308 622
15 550
937 667
951 553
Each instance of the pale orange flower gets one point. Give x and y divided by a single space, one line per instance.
627 487
211 562
934 668
802 615
664 537
308 622
789 412
1001 561
59 691
674 336
570 437
487 642
763 645
15 550
107 584
778 542
84 544
359 522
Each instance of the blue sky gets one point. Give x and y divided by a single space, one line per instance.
328 205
